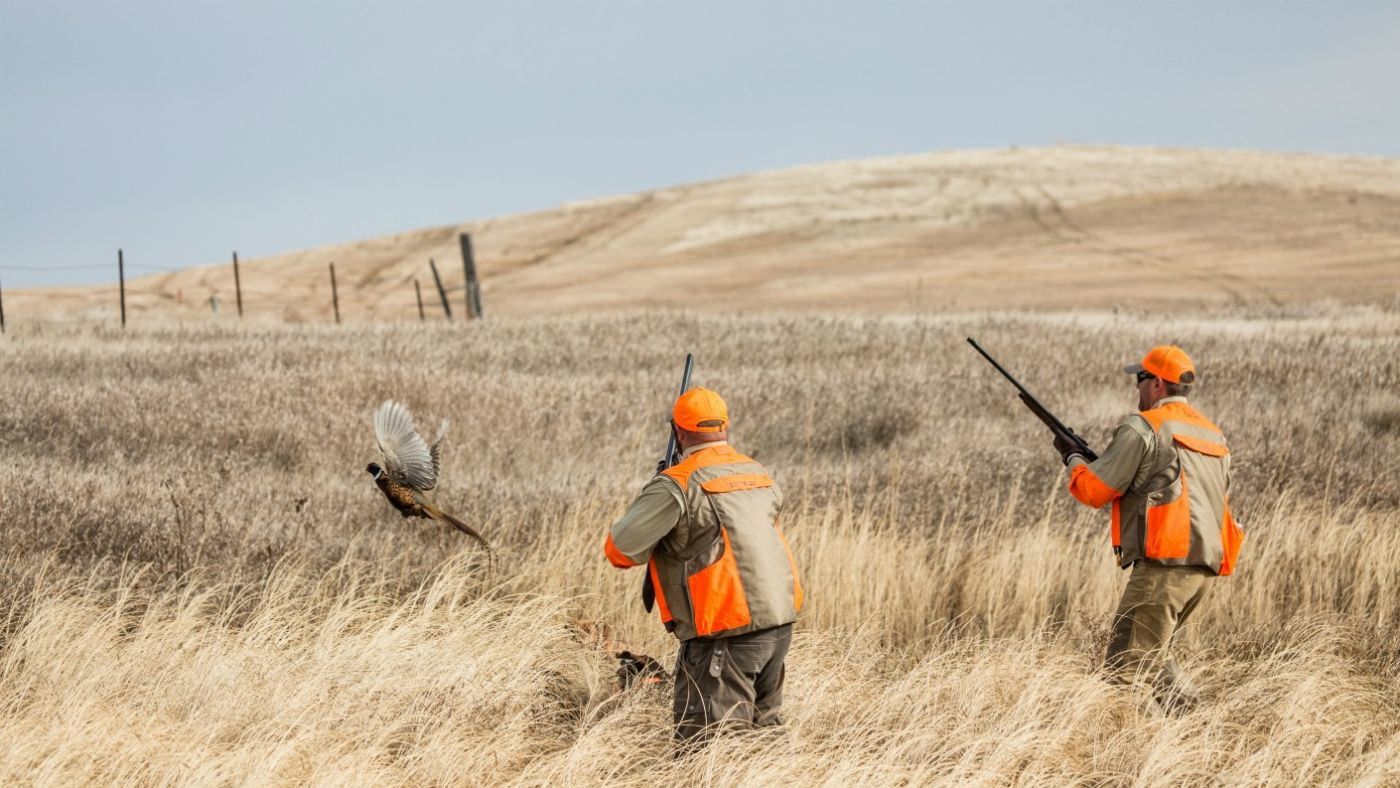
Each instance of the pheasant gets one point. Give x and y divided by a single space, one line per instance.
411 467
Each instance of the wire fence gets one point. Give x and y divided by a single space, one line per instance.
92 267
154 268
259 301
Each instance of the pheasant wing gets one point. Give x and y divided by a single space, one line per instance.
436 451
406 456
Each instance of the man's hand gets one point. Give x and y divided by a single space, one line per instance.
1065 447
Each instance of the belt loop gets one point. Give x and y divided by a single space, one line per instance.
717 659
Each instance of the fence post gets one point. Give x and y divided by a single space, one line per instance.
335 298
2 310
121 283
471 291
417 289
446 307
237 286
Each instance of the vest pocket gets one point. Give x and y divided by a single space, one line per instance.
717 597
1169 522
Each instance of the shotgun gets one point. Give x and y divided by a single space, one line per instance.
1056 426
671 457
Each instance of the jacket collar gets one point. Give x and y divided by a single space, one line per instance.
700 446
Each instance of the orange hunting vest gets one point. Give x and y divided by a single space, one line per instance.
736 573
1181 517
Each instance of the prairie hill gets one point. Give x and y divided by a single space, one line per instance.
1047 228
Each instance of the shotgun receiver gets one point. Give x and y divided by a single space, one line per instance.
671 457
1056 426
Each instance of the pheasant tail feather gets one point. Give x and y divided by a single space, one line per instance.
438 514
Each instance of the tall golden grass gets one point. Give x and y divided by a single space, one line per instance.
201 584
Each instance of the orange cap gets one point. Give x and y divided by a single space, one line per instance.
1168 362
701 410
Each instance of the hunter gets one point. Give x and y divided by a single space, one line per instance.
724 579
1167 475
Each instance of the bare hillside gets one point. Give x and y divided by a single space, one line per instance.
1022 228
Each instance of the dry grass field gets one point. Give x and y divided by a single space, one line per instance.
202 585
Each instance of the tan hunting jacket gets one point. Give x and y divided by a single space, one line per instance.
707 528
1167 475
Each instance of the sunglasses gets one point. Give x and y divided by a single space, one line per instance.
1145 375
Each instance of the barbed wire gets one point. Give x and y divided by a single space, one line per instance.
195 296
94 267
172 301
143 267
84 267
227 316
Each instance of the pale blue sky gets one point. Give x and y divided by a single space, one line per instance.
184 129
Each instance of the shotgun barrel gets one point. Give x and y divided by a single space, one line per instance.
1041 412
671 457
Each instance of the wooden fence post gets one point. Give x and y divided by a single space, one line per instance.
2 310
237 286
335 298
417 289
121 283
446 307
471 291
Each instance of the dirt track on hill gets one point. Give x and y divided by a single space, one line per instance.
1053 228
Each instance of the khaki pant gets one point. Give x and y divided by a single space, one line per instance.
1156 603
734 683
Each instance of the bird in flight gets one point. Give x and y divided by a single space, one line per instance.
411 467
